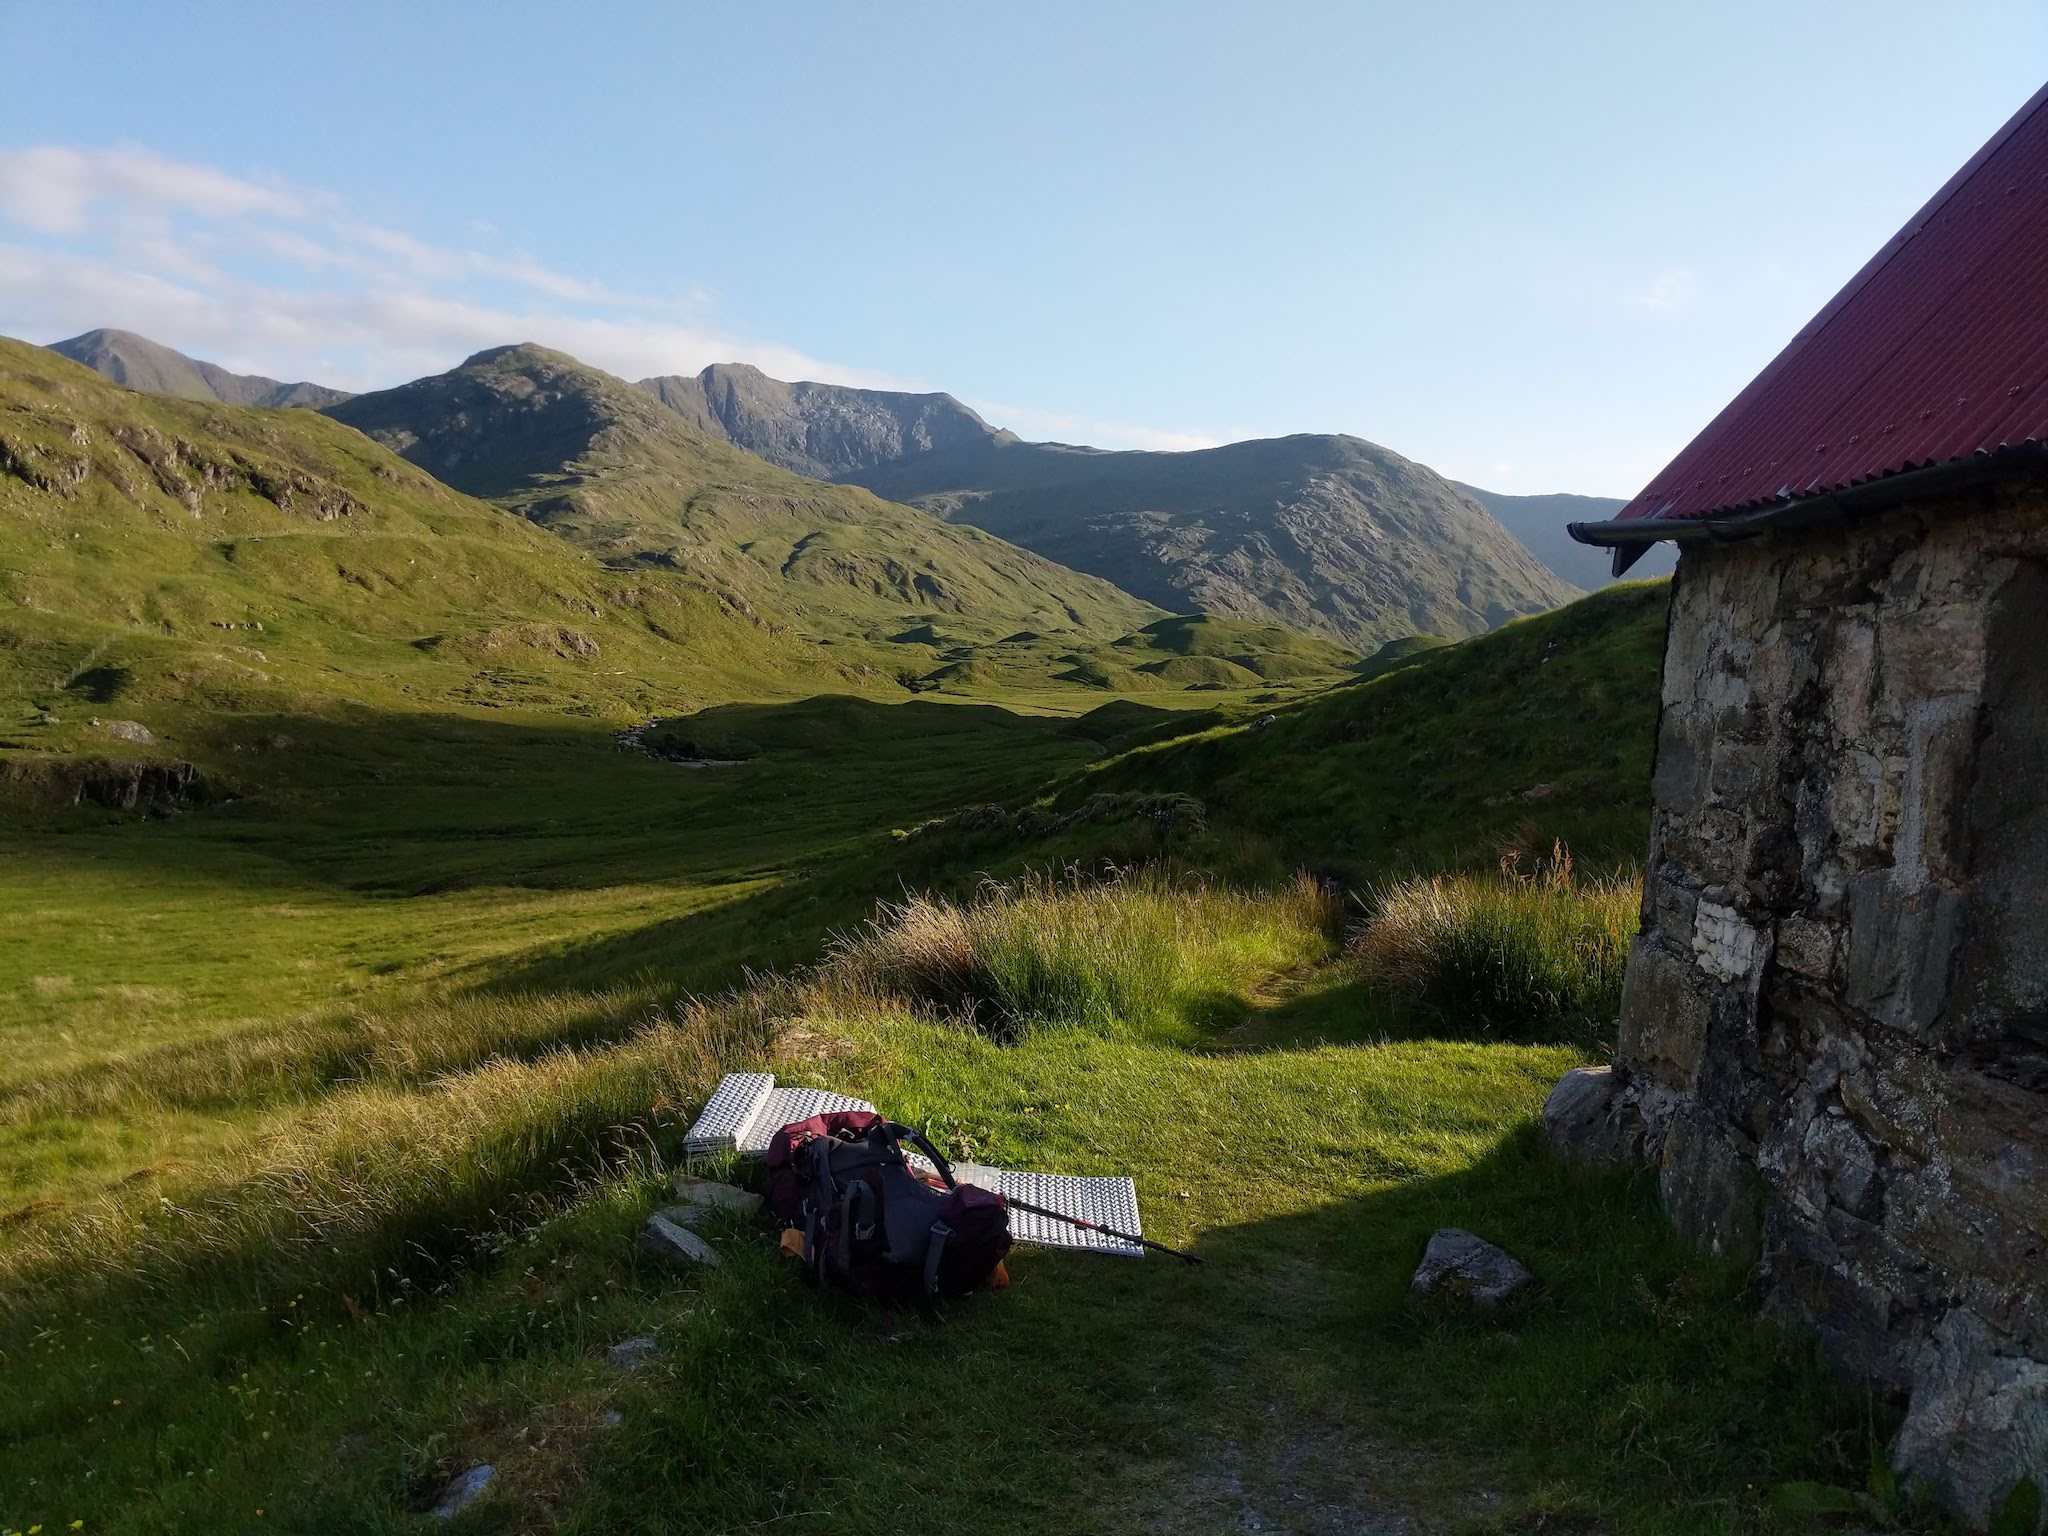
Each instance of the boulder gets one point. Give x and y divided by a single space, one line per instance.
1456 1263
1977 1422
1587 1120
677 1245
129 730
462 1491
708 1192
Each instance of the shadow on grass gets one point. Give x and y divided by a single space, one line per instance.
1635 1376
1340 1005
401 805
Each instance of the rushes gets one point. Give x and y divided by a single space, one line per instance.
1520 955
1135 951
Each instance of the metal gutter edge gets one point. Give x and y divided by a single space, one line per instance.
1630 537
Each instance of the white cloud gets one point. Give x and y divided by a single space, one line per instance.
1670 291
285 281
56 189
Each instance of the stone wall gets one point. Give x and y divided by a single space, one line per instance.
1834 1037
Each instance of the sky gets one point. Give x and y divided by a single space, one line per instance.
1535 246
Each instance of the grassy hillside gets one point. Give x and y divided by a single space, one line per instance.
1325 535
609 468
1544 729
213 574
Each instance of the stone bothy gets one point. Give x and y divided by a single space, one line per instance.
1834 1033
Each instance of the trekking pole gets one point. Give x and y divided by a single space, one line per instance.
1096 1226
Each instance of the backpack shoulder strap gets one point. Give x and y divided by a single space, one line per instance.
923 1144
934 1250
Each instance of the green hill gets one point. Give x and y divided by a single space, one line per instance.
611 469
180 564
1327 535
136 362
1448 758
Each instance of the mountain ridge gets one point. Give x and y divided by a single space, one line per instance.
1135 521
611 468
1325 534
135 362
825 431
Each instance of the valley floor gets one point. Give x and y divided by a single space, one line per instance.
328 1120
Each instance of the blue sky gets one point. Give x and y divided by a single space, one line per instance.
1533 245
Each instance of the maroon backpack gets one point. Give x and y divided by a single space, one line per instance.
874 1224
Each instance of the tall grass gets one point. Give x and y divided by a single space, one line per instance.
389 1179
1137 951
1513 954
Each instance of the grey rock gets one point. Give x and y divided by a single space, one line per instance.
1978 1420
462 1491
1586 1119
678 1245
1456 1263
630 1354
129 730
708 1192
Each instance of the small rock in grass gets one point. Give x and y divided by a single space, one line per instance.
460 1493
708 1192
685 1215
631 1354
1458 1264
129 730
613 1418
665 1240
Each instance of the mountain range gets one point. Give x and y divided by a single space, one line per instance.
614 471
862 513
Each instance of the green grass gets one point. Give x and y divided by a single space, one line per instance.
1496 745
205 1363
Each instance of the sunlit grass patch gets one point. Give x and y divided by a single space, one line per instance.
1515 954
1140 951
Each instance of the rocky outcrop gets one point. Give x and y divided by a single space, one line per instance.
113 785
821 430
1834 1032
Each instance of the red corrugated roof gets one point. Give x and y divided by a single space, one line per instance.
1935 351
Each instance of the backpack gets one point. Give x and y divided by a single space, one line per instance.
874 1224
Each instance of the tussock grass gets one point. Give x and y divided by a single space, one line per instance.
1514 954
391 1179
1141 951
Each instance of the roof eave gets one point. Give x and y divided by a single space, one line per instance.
1630 537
